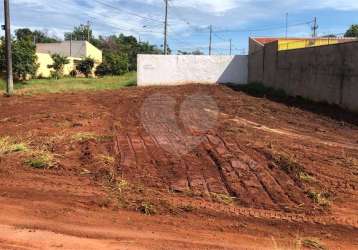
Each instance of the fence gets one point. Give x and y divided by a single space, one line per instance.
324 73
185 69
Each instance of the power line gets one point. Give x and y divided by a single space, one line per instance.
127 11
262 29
166 28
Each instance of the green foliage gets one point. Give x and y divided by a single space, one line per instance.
23 56
114 64
85 66
36 35
58 65
119 49
352 31
81 33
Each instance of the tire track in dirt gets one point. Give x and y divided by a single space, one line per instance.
218 165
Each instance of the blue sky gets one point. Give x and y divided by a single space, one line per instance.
188 19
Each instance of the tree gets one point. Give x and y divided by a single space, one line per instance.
58 65
82 33
36 36
86 66
23 56
352 31
113 64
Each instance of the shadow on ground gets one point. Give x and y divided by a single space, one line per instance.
329 110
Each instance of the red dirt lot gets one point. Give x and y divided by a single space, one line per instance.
187 167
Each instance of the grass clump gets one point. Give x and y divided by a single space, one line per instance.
306 177
41 160
84 136
313 244
106 160
222 198
147 208
7 145
320 198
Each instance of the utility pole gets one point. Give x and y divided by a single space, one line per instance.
314 27
211 38
230 47
71 45
286 25
10 80
88 30
166 28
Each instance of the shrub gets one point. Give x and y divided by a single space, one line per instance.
114 64
58 65
86 66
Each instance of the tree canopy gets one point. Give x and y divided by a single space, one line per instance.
83 32
352 31
23 56
36 36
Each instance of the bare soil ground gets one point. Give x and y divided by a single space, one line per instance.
86 171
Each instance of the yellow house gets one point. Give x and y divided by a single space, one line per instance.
75 51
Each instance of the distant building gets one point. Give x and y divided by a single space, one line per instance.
256 43
74 50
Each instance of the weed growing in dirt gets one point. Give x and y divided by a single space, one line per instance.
41 160
306 177
122 185
106 160
320 198
7 145
222 198
313 244
84 136
105 138
147 208
186 208
299 244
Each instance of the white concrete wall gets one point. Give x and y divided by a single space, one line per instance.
185 69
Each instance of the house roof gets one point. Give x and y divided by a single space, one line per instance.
77 49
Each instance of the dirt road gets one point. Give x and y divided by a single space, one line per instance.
190 167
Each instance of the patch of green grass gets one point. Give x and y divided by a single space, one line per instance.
68 84
41 160
7 145
222 198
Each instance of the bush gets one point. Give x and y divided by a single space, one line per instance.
102 70
58 65
86 66
73 73
114 64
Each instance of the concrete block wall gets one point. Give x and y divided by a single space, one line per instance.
186 69
324 74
